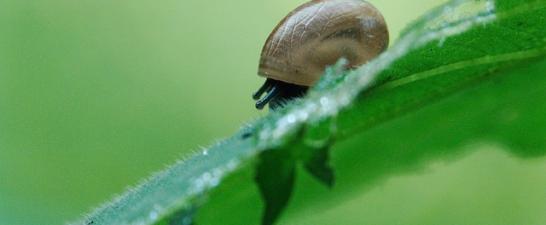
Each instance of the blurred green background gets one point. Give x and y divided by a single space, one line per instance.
95 95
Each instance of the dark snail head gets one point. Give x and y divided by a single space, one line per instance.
312 37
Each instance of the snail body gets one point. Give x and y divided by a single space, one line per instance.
312 37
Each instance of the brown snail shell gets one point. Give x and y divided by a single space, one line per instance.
316 35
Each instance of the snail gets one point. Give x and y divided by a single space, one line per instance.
312 37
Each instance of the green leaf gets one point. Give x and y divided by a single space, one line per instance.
461 46
275 177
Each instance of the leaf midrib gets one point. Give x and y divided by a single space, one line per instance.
478 61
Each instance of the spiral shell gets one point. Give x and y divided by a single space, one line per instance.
317 34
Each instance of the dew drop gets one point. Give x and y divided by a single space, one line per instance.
153 215
291 118
324 101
